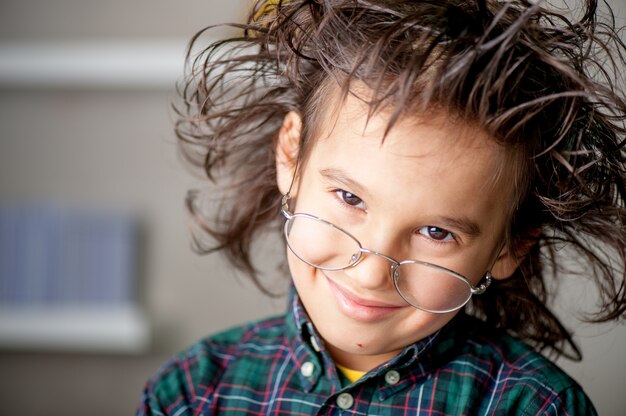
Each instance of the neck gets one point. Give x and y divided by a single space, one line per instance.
359 362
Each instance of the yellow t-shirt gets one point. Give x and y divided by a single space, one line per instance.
352 375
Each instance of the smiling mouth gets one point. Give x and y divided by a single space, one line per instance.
358 308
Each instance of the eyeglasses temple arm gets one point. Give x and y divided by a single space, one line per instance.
483 286
284 206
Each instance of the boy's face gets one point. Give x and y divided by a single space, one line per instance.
426 193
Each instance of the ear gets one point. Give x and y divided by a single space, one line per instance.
287 149
505 264
509 260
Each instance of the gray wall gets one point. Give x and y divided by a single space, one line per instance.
113 146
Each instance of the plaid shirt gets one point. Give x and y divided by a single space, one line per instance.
280 366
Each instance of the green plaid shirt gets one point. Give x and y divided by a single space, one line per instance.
279 366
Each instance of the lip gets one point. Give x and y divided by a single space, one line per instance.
358 308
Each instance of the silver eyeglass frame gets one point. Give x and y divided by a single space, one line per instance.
394 272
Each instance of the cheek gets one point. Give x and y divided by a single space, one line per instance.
474 264
422 324
310 239
302 275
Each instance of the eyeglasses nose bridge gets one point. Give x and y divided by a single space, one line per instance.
394 263
376 253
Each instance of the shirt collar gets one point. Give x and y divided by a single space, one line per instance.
307 347
415 360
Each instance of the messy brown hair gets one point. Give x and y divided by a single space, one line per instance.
542 82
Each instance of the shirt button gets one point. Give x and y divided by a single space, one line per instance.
345 401
316 347
392 377
307 369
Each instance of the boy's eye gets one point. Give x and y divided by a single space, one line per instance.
436 233
350 198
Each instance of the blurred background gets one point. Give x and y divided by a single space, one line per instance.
91 198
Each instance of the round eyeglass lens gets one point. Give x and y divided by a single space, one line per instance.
430 287
320 244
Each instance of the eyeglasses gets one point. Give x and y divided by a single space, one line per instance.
423 285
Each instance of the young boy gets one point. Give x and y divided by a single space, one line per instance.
425 159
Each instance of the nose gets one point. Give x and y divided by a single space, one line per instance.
372 272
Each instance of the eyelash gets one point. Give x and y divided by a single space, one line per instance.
450 236
340 194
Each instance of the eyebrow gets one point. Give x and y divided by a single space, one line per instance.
464 225
339 175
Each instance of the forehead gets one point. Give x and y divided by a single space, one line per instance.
347 126
423 157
